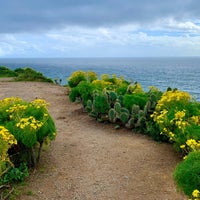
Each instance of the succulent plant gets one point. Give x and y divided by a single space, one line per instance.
93 114
125 110
135 109
124 117
131 123
117 107
112 115
112 96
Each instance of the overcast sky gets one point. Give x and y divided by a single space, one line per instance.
99 28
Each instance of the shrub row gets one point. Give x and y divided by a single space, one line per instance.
24 127
172 116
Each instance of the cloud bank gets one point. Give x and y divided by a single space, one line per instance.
68 28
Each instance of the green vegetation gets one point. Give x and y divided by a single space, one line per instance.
172 116
23 74
187 175
5 72
28 74
24 128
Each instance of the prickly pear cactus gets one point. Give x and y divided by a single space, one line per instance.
117 107
135 109
141 123
131 123
112 115
112 96
125 110
124 117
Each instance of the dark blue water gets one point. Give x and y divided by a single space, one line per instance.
182 73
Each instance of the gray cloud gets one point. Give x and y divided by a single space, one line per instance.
43 15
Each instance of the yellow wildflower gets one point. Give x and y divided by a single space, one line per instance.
182 146
195 193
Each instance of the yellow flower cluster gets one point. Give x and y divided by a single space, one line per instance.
29 122
91 76
135 88
6 141
160 117
101 82
195 195
77 74
180 115
179 121
170 96
9 101
40 103
193 144
168 115
112 79
7 136
16 108
195 120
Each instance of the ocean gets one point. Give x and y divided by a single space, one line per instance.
176 72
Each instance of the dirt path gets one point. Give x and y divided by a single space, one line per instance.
92 161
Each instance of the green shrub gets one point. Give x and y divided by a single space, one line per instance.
15 174
91 76
28 74
30 124
76 77
139 99
74 94
85 90
122 89
135 88
177 117
5 72
187 174
99 85
101 104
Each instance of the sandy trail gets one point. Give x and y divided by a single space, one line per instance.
93 161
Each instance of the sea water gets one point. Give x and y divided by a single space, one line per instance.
182 72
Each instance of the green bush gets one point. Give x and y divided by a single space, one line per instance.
24 127
82 92
101 104
187 173
74 94
122 89
15 174
177 117
135 88
85 90
5 72
28 74
76 77
91 76
139 99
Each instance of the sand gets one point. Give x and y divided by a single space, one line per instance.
93 161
